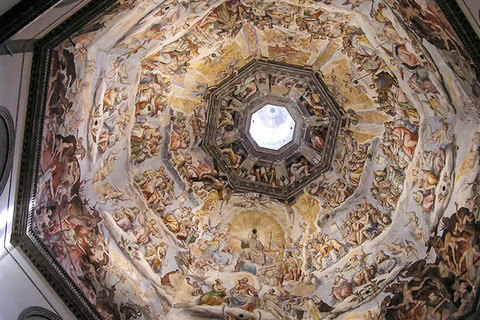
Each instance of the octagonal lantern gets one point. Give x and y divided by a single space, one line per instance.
271 128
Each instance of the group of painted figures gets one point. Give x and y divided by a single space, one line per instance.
232 109
154 202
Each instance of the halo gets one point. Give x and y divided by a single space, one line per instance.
251 279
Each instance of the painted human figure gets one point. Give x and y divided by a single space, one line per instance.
341 288
254 252
215 297
242 295
406 139
271 303
384 264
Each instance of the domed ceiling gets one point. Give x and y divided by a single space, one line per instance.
271 128
148 224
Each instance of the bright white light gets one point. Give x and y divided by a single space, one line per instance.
272 127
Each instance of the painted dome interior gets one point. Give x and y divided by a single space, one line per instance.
356 198
245 112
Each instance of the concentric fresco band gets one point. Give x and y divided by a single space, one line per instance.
147 189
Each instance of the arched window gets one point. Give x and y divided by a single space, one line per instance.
38 313
6 146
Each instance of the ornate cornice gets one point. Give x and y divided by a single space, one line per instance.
22 14
463 29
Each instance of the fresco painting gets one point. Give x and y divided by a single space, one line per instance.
146 225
